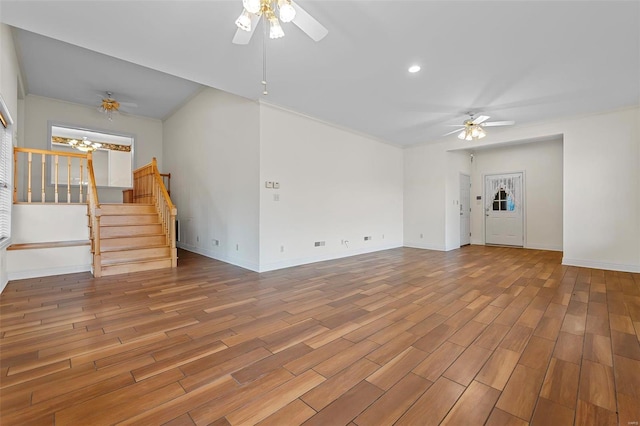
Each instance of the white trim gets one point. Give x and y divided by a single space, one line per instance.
37 273
423 246
543 247
601 265
262 102
230 260
313 259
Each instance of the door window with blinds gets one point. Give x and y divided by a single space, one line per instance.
6 151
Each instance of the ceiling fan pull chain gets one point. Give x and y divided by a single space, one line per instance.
264 58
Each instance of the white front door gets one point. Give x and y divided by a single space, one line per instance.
504 206
465 210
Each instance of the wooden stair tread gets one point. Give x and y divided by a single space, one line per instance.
132 248
134 260
49 244
156 234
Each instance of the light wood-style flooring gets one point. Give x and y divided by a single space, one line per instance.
480 335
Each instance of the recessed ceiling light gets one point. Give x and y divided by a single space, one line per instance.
414 69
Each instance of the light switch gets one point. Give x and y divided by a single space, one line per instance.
268 184
276 185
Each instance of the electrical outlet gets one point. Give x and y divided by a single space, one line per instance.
319 243
421 235
237 247
276 197
367 238
215 242
197 238
281 249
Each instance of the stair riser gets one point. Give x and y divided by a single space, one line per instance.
137 254
121 243
129 220
135 267
126 209
129 231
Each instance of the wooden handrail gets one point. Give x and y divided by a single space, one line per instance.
148 187
93 208
47 152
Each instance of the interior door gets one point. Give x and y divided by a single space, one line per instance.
465 209
504 206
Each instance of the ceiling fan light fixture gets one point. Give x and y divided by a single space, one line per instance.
287 11
244 21
414 69
85 145
275 29
252 6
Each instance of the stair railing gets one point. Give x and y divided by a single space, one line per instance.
60 163
148 188
93 207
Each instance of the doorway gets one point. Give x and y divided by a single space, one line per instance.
465 209
504 207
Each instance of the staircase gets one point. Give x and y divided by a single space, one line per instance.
132 239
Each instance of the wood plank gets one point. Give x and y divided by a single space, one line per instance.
474 406
498 368
521 392
464 369
597 385
347 407
550 413
434 404
333 388
561 383
395 402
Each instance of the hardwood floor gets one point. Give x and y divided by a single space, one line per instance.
480 335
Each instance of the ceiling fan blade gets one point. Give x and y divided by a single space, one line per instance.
498 123
453 131
480 119
308 24
244 37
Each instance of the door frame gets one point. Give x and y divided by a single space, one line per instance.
524 204
469 204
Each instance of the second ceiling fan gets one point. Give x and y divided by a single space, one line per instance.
472 128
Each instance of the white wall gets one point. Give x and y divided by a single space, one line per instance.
601 185
211 149
147 132
541 163
335 185
425 175
27 226
9 74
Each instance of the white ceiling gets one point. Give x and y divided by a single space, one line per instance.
526 61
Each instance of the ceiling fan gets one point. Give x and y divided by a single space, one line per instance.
289 10
110 106
472 128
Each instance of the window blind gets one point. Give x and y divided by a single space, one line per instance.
5 183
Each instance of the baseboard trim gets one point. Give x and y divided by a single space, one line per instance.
37 273
425 246
601 265
288 263
251 266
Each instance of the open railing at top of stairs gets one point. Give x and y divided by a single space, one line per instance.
148 188
73 172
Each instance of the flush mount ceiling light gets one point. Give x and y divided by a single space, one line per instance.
287 11
85 145
472 129
414 69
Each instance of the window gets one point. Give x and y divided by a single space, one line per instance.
503 201
6 151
